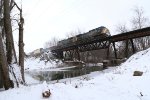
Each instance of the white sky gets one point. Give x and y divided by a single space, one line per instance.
45 19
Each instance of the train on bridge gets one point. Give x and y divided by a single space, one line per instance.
96 39
94 34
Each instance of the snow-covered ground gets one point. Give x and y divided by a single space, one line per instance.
36 63
111 84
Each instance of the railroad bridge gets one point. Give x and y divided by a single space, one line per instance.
100 43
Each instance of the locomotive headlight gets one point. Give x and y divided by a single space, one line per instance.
106 31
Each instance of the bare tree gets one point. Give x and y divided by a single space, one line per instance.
8 30
3 59
4 66
21 43
52 42
140 21
21 46
73 33
121 28
7 51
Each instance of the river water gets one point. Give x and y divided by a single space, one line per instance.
48 75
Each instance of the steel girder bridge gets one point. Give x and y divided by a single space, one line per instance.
102 43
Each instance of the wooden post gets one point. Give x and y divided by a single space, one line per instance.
115 51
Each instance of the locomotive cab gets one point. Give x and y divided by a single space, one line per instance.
105 31
102 32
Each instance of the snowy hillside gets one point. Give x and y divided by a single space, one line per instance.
139 61
111 84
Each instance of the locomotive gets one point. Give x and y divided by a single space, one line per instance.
94 34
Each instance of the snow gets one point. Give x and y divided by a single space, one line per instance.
139 61
117 83
36 63
30 80
15 74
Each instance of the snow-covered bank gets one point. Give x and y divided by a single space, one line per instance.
36 63
139 61
111 84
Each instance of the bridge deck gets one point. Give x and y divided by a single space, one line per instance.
131 35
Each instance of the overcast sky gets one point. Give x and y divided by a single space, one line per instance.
45 19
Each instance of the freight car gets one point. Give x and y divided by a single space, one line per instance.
94 34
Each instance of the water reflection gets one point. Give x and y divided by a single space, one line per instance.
66 73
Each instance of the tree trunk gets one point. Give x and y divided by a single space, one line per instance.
4 66
1 78
8 31
21 46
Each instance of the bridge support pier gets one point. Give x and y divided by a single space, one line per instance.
127 48
115 50
78 54
108 51
132 44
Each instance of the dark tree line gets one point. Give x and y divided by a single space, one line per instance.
7 50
